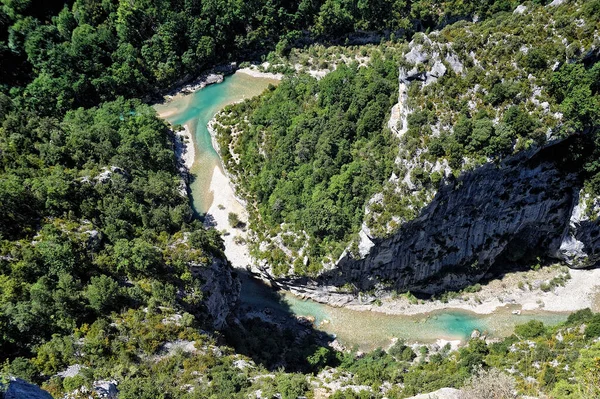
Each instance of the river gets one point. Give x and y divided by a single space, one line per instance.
367 330
196 110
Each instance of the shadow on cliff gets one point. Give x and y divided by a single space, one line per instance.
266 330
497 217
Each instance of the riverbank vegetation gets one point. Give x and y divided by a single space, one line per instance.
154 352
310 154
475 93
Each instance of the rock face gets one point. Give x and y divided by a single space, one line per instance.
19 389
221 289
581 247
106 389
489 217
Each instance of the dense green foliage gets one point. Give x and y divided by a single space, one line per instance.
312 153
96 239
92 221
64 54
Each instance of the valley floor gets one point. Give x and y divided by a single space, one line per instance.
518 290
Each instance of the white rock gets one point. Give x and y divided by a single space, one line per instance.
444 393
365 244
71 371
455 63
520 9
106 389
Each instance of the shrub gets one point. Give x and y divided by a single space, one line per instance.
402 352
233 219
291 386
489 384
531 329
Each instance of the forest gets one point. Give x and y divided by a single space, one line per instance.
97 238
93 222
326 148
60 55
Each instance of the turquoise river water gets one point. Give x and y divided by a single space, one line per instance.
196 110
365 329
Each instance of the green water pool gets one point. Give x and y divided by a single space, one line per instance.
196 110
369 329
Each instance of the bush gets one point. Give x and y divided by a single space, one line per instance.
402 352
531 329
72 383
579 317
593 328
291 386
233 219
489 384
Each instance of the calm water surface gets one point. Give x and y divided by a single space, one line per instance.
196 110
370 330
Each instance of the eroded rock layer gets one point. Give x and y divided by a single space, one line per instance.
495 215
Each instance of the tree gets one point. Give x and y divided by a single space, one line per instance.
334 19
102 294
137 258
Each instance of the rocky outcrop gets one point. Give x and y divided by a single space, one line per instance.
103 389
19 389
443 393
498 214
580 247
221 290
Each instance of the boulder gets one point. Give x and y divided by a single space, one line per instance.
520 9
106 389
20 389
455 64
444 393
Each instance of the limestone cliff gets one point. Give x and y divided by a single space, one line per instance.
495 215
221 290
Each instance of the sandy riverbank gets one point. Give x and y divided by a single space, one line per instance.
520 290
225 202
256 73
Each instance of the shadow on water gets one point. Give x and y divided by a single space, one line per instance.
196 214
267 330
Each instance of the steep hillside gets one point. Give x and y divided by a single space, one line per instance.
94 221
536 361
469 97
